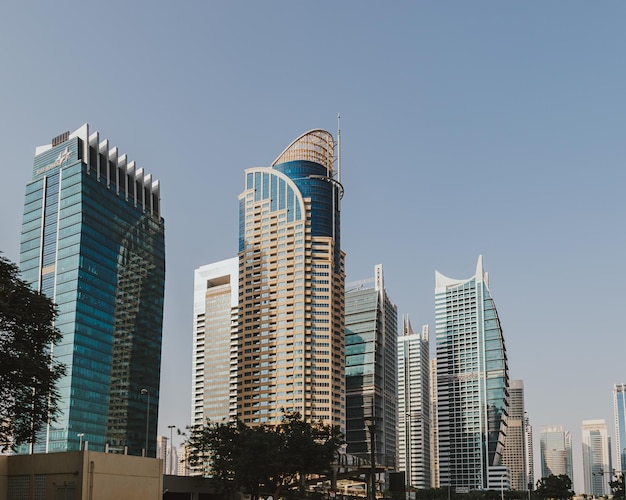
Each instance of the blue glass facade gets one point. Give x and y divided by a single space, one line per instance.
472 381
98 251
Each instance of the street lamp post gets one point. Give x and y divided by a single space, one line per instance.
80 440
372 428
171 428
145 392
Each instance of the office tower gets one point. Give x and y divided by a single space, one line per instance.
472 381
556 452
162 450
514 456
93 241
371 376
619 407
215 300
596 458
530 455
290 346
414 406
434 427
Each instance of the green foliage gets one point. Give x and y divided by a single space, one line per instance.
249 459
557 487
28 397
617 486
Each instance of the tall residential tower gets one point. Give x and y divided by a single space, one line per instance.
93 241
371 378
472 382
290 341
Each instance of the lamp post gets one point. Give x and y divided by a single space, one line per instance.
372 429
171 428
143 393
80 440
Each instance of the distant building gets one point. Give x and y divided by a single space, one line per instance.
414 436
596 458
371 377
162 451
530 455
472 382
556 452
434 428
214 375
619 406
515 455
93 241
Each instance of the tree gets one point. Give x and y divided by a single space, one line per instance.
28 397
263 458
557 487
617 486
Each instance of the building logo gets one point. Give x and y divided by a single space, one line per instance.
61 159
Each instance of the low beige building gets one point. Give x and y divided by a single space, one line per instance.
80 475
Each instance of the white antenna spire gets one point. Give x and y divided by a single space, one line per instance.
339 148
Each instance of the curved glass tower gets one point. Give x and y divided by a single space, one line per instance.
472 382
290 347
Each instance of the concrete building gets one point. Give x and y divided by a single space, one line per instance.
556 452
371 376
414 430
515 454
290 343
530 455
619 408
434 428
215 310
93 241
472 382
597 463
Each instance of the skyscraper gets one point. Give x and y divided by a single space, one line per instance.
619 407
514 456
371 376
530 455
434 427
472 382
556 452
596 458
290 344
414 428
215 309
93 241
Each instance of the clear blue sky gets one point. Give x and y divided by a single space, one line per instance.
468 128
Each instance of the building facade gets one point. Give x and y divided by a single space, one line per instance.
472 381
619 410
556 452
290 343
215 311
414 430
434 427
93 241
597 463
515 454
530 455
371 376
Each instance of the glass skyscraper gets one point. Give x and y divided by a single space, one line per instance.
290 343
371 375
515 454
472 382
556 452
93 241
597 464
619 407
